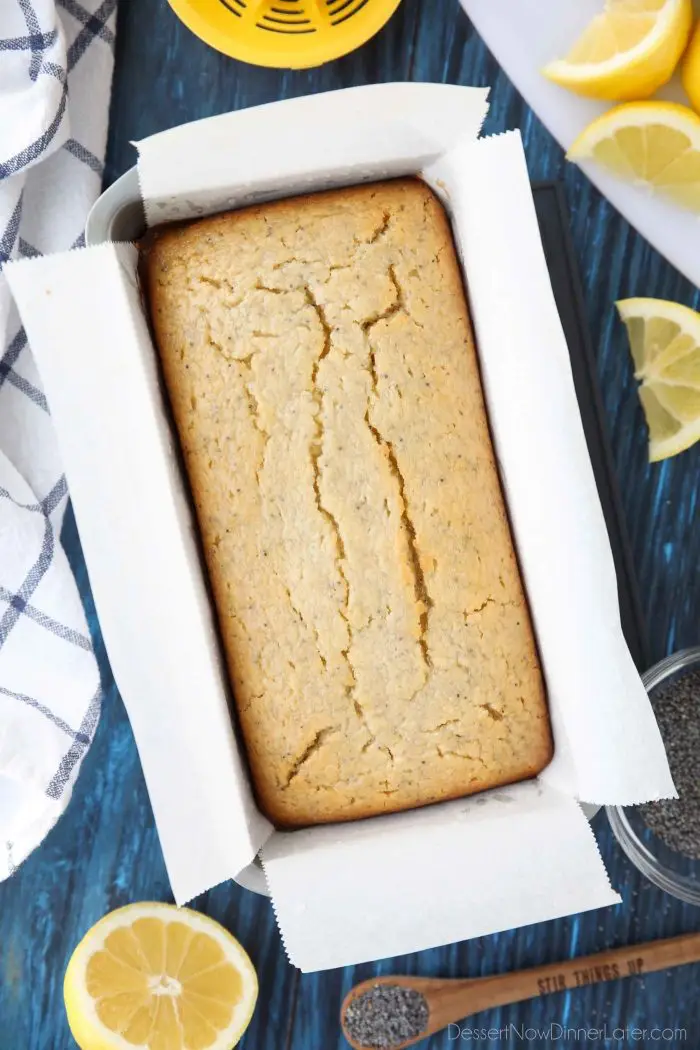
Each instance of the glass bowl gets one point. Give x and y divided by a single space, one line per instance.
671 871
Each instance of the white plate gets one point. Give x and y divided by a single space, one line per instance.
526 34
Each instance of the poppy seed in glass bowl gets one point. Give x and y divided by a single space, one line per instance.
677 821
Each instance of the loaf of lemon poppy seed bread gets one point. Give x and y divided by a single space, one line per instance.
320 363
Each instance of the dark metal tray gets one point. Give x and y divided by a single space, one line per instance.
566 284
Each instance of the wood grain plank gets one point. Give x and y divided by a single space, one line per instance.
105 852
659 505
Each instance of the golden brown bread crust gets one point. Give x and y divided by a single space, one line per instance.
320 363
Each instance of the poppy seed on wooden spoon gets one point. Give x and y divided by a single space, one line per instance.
386 1015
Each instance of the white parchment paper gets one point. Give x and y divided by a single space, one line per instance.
392 884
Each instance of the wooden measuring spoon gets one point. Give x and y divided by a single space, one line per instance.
450 1001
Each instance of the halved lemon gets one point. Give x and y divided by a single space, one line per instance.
690 70
155 977
652 144
627 51
665 343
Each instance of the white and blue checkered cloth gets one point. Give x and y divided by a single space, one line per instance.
56 61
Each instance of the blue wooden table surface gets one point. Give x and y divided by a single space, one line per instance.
105 851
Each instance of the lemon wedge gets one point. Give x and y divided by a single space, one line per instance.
156 977
652 144
627 51
665 343
690 70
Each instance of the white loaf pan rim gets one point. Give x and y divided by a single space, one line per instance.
118 215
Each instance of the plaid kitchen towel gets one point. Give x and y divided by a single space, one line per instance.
56 61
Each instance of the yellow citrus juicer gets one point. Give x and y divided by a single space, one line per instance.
285 34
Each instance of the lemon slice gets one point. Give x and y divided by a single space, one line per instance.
690 70
652 144
627 51
156 977
665 343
